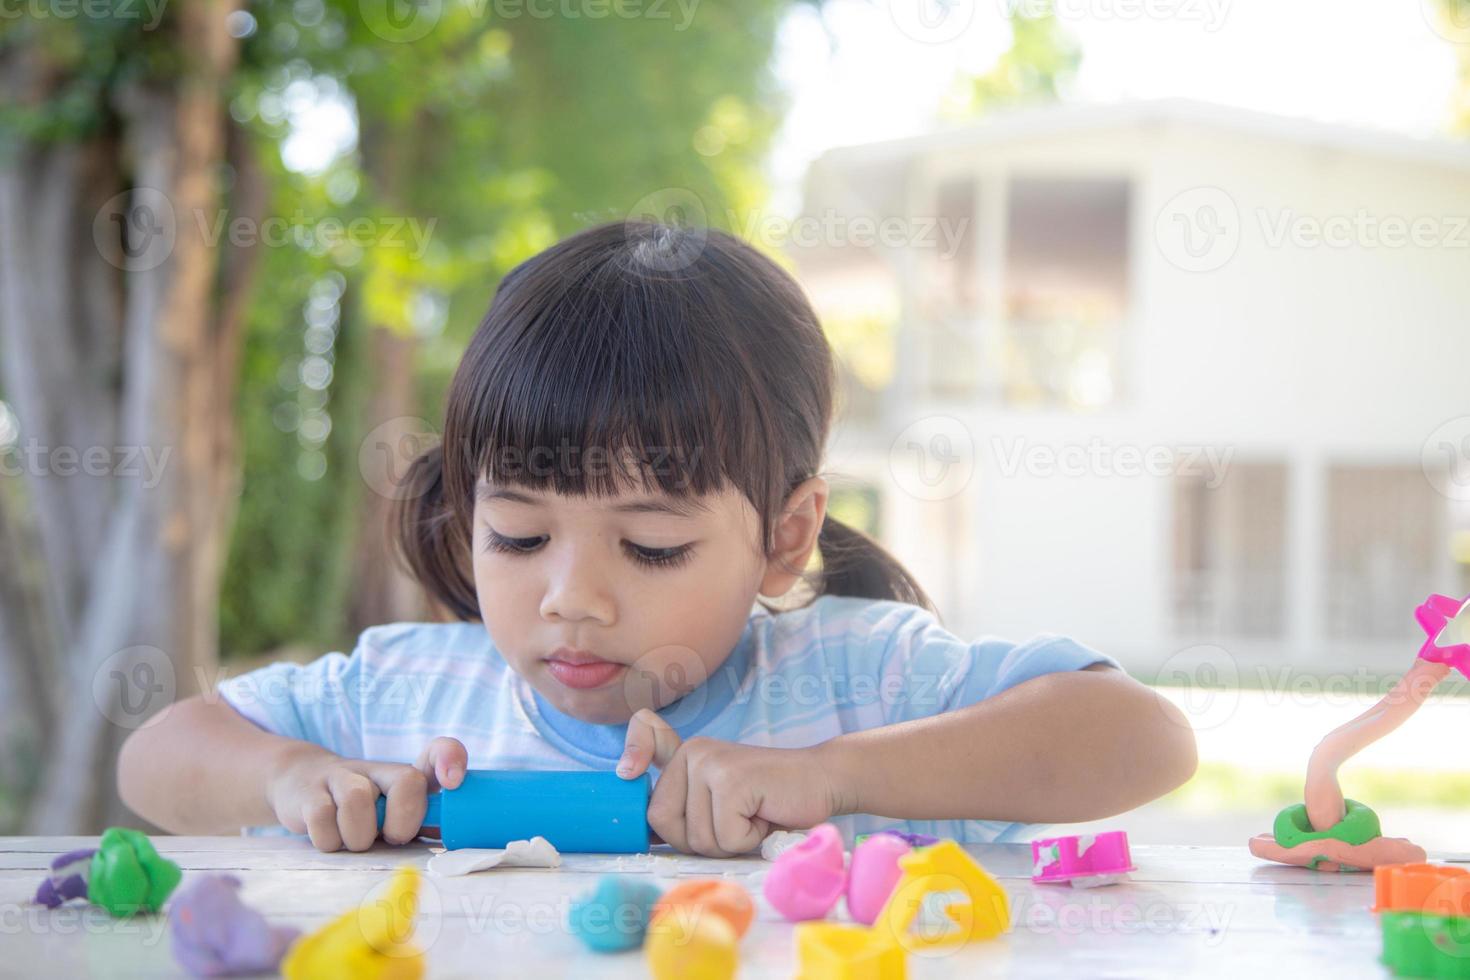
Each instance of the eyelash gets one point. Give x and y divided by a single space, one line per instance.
650 557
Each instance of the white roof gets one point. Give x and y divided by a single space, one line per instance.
1061 119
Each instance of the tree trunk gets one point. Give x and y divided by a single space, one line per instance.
119 338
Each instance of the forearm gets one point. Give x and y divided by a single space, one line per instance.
1062 748
203 769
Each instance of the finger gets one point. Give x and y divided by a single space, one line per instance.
666 805
444 761
320 815
651 741
357 812
407 791
699 819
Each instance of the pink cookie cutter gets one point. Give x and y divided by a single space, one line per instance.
805 881
1084 861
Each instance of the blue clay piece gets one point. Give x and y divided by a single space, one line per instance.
614 917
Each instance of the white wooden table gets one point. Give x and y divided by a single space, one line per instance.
1188 911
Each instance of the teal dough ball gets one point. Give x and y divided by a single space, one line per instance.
614 917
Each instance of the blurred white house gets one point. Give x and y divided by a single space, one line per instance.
1185 376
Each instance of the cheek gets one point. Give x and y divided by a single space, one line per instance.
503 589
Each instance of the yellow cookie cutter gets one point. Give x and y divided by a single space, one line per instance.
943 868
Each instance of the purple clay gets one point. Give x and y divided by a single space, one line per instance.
68 878
215 934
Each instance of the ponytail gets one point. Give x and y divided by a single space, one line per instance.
853 564
432 542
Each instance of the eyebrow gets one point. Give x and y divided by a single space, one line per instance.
678 506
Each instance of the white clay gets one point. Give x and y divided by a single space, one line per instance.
534 853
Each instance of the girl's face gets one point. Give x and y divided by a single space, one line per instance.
612 604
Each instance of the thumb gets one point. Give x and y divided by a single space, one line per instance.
444 761
651 742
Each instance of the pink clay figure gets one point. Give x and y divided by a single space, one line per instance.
1447 622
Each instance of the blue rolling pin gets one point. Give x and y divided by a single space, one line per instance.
588 812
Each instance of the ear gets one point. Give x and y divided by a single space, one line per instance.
795 536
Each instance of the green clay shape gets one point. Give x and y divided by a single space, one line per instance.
1358 826
128 876
1417 944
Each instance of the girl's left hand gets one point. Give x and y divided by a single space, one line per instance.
722 798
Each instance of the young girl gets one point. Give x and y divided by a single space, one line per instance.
631 458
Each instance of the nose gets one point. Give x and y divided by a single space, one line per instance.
577 590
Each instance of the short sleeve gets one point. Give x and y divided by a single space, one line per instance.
927 670
318 702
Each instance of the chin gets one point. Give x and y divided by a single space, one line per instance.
606 709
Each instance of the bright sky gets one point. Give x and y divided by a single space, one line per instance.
1377 63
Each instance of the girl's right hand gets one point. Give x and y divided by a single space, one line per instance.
334 800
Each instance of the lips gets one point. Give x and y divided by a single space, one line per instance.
581 670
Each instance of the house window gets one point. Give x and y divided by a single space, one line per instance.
948 298
1066 290
1385 532
1229 552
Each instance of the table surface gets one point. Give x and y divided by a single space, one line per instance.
1191 911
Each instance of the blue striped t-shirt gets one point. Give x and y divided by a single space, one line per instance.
795 678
